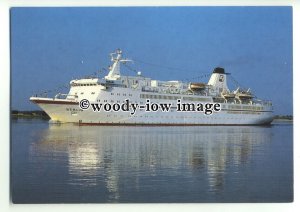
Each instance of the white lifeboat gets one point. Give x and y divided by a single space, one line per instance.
227 95
243 95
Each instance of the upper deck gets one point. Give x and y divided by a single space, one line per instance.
216 88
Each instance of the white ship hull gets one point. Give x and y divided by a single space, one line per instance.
69 112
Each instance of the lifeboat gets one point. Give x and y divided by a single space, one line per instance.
240 94
228 95
244 95
197 86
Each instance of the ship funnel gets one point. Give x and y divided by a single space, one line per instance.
218 80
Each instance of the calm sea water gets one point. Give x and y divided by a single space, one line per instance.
99 164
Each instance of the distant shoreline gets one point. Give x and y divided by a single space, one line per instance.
36 114
282 120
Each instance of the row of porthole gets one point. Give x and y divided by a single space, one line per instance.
79 84
118 94
118 101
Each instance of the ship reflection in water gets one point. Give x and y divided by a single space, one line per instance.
160 164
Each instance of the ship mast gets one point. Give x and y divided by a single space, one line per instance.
114 69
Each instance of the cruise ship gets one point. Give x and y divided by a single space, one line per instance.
237 107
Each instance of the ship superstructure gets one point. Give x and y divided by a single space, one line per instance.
238 107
